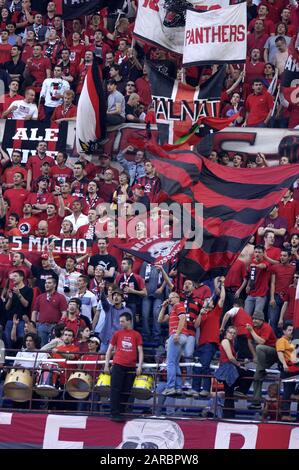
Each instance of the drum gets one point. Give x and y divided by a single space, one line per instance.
103 385
47 384
143 387
18 385
79 385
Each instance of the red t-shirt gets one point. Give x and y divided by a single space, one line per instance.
74 325
266 332
236 274
34 164
6 101
223 356
5 264
261 286
8 174
28 225
17 198
65 369
174 319
96 368
210 327
258 107
126 343
60 175
283 277
5 53
59 112
54 224
254 71
240 320
288 211
201 293
38 68
289 297
50 311
273 252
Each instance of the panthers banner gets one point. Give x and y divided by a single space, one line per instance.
162 22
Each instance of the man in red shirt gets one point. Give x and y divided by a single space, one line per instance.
60 173
281 277
143 88
5 47
67 111
16 166
176 341
239 319
42 198
28 223
258 38
288 208
235 281
49 309
209 339
12 225
38 68
17 195
55 217
254 67
258 281
34 163
12 95
66 351
288 308
272 253
263 12
258 106
127 342
264 354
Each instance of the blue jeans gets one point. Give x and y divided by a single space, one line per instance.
254 304
205 354
150 305
44 331
7 332
188 351
174 352
274 313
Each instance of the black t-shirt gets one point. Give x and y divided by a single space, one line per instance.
107 261
41 275
16 305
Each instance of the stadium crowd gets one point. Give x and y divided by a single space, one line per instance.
74 303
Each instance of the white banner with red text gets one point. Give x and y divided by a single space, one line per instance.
215 37
162 23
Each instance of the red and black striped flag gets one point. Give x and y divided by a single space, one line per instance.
234 201
91 113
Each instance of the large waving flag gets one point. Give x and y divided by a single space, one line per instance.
179 106
235 201
91 113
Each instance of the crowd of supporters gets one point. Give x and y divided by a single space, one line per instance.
44 60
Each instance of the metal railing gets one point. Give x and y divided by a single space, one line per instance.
41 388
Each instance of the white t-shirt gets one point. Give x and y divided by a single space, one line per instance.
52 87
24 110
89 301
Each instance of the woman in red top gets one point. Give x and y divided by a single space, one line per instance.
232 374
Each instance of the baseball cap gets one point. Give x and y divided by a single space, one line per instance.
43 178
117 291
94 339
45 256
259 316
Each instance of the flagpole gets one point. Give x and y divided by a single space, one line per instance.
276 100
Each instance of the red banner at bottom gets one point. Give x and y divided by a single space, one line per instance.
83 432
